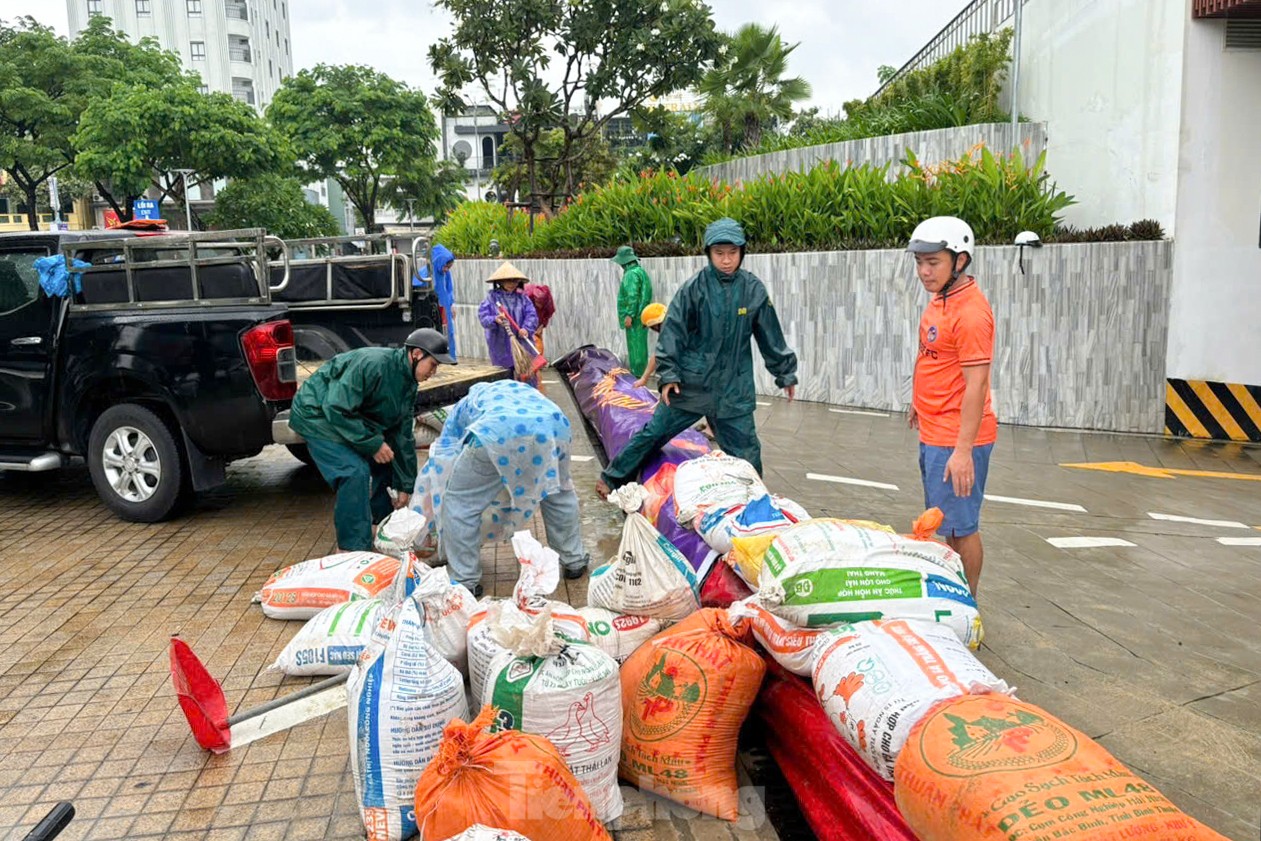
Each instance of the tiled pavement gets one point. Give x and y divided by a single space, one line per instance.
1151 649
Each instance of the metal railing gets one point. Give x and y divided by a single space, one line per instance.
240 54
980 17
246 95
249 244
238 11
328 252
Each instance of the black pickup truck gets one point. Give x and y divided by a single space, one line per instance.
162 361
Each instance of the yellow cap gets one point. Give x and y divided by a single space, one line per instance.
653 314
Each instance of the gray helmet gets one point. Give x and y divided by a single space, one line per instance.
432 343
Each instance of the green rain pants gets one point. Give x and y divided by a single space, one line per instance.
736 436
362 496
637 349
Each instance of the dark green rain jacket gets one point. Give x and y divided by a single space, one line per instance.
705 343
363 398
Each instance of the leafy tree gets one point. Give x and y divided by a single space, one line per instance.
37 114
138 137
593 162
358 126
547 65
274 202
747 91
436 193
675 141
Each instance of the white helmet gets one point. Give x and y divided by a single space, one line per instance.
942 233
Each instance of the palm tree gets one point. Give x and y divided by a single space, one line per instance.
747 87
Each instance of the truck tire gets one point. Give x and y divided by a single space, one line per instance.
313 346
136 464
302 453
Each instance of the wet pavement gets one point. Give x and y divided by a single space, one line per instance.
1152 647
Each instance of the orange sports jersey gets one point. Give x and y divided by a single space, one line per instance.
955 331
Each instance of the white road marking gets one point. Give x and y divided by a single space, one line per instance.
1174 518
845 480
1086 542
1239 541
304 709
1036 503
581 458
859 412
760 403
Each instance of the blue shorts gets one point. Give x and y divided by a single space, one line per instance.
962 513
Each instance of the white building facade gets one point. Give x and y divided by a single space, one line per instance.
239 47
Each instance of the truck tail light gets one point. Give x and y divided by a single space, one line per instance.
272 360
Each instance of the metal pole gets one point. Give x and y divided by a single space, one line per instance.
477 155
1015 72
188 203
410 226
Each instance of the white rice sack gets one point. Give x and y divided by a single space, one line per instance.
448 610
487 627
399 533
570 694
766 514
304 589
876 680
648 577
824 573
331 641
618 635
478 832
400 696
789 645
714 483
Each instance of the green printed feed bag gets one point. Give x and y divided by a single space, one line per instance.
331 641
824 573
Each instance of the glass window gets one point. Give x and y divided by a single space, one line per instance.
94 7
194 7
283 12
19 282
143 8
203 89
267 28
197 49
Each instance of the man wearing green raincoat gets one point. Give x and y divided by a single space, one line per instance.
355 413
633 295
705 359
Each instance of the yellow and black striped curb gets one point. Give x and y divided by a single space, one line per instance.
1220 411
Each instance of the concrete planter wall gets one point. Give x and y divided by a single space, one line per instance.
1080 339
929 146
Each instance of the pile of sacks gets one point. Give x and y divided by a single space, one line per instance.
549 731
885 627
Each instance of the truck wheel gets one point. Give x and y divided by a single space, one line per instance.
313 346
135 464
302 453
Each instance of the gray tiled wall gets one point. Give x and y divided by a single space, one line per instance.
929 146
1080 339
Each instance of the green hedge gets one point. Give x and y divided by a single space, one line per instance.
828 208
961 89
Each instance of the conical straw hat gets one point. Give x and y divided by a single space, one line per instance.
507 272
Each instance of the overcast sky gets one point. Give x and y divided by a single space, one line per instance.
842 41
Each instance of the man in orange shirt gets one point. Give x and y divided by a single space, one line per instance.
950 403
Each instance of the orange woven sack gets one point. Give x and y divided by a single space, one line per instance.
507 780
991 768
685 694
